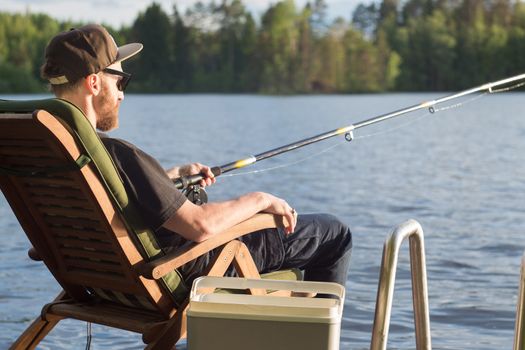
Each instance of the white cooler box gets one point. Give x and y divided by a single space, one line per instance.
248 322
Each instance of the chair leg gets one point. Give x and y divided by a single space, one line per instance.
245 267
223 259
34 334
174 330
234 252
244 264
38 330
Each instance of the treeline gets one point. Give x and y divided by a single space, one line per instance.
390 45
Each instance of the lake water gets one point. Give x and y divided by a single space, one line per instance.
459 172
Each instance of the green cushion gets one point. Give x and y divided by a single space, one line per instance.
75 121
284 275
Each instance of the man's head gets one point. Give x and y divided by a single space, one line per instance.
83 65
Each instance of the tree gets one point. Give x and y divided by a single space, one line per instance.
23 39
317 16
330 61
365 19
249 64
362 66
417 8
471 36
182 53
153 67
219 47
429 54
305 51
279 37
500 13
232 19
389 62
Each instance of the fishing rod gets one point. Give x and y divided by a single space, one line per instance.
185 182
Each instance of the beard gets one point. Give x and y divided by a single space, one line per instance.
106 109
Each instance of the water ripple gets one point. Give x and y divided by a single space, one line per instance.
466 192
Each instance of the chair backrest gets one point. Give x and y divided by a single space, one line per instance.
64 189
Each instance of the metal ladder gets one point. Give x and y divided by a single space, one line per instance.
519 329
412 230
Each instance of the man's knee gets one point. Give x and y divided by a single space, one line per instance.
338 230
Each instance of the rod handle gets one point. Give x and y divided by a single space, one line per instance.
185 181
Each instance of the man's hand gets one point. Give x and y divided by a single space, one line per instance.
193 169
278 206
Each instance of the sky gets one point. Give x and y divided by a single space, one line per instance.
123 12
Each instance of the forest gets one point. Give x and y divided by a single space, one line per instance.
220 47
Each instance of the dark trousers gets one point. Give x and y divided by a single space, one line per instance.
320 246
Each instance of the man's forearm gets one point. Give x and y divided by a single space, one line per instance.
197 223
173 173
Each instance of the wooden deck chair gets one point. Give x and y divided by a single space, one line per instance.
67 195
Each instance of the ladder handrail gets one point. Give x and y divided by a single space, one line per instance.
519 331
385 292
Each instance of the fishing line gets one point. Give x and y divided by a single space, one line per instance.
392 129
400 126
459 104
420 117
287 164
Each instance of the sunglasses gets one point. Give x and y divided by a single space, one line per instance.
121 83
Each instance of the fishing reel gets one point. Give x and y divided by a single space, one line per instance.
196 194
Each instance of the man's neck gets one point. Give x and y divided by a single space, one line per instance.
84 103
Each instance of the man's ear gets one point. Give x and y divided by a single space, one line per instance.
93 84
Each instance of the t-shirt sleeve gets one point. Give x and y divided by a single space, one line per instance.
146 182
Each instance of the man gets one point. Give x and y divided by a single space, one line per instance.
84 67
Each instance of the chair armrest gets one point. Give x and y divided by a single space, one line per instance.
160 267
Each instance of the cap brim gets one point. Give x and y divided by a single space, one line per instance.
126 51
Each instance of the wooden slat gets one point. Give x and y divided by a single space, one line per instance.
84 243
73 223
109 257
99 236
27 151
63 202
93 266
34 143
95 279
56 192
47 181
27 129
22 162
110 315
66 212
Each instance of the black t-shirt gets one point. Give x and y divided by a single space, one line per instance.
155 195
148 185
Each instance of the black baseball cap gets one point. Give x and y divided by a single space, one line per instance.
76 53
